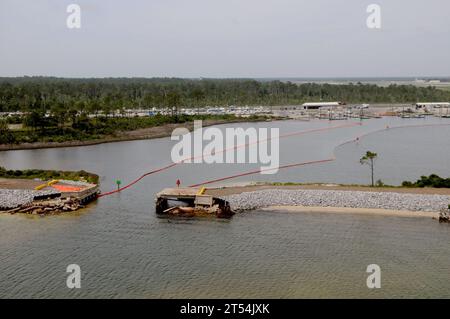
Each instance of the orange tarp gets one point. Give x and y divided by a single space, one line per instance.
66 188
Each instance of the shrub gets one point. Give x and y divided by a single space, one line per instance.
433 180
380 183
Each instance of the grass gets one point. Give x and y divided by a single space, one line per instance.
47 175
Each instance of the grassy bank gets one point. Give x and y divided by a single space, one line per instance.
47 175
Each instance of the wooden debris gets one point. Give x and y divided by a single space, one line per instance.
444 216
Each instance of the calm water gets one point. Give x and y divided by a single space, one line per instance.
124 250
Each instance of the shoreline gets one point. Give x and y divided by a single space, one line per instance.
343 200
136 135
352 211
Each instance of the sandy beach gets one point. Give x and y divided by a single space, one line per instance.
353 211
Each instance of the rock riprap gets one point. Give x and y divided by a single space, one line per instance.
12 198
334 198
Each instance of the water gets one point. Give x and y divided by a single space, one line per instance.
124 250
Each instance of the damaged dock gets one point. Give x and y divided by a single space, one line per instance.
190 202
42 198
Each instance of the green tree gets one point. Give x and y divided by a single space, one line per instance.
197 95
6 136
35 120
173 100
369 159
59 113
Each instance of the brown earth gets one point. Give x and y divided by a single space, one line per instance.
7 183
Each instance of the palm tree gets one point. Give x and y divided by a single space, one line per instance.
369 159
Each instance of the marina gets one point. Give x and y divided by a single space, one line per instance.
308 110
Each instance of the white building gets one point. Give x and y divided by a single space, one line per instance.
318 105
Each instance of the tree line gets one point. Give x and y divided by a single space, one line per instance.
72 96
60 109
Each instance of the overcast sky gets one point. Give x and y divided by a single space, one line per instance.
225 38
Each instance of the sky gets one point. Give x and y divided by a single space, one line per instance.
225 38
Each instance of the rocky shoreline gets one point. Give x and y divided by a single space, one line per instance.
333 198
48 207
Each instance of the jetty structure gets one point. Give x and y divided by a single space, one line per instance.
39 198
190 202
